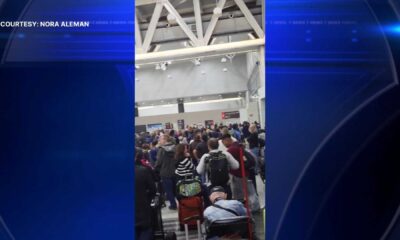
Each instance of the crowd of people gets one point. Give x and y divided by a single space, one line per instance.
219 156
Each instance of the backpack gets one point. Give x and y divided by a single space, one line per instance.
249 161
218 170
188 188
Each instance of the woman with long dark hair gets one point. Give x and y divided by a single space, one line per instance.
184 164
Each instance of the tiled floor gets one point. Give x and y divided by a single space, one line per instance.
170 218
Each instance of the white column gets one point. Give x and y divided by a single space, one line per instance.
261 91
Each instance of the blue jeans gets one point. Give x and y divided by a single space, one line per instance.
256 152
169 185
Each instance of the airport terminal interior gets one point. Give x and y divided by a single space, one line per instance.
200 99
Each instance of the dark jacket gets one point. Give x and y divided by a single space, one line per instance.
165 163
252 139
145 191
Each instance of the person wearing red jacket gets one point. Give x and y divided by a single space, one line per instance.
234 148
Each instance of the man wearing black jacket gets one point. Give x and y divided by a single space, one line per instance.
165 166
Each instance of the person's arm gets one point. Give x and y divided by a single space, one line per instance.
233 163
201 167
240 209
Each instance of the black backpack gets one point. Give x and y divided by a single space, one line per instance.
218 170
250 161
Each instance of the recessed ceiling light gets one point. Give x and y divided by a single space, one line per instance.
171 18
223 60
217 11
224 69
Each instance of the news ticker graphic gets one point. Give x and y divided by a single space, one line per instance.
44 24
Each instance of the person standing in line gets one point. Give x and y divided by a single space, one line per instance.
254 144
145 185
217 164
165 166
184 165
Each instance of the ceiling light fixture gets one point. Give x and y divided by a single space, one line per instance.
217 11
196 61
164 66
230 56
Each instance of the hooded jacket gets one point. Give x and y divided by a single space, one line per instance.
165 163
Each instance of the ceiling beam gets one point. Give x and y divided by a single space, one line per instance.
199 52
144 2
152 27
250 18
213 23
199 22
138 34
225 27
181 23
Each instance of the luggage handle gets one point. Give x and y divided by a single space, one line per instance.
244 182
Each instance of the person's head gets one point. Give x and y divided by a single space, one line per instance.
224 131
235 126
164 139
227 140
180 151
217 193
253 128
212 144
154 143
204 137
197 137
145 146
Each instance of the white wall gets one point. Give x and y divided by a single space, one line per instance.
190 118
158 110
190 107
252 112
184 79
235 104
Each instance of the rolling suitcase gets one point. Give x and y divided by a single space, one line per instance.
190 214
